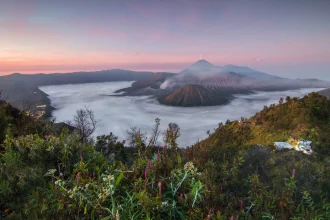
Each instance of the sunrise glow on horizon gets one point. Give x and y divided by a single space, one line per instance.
276 36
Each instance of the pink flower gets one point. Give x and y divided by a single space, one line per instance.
149 164
181 196
241 205
159 188
78 176
158 155
81 158
293 172
145 173
234 161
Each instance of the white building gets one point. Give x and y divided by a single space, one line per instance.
282 145
305 146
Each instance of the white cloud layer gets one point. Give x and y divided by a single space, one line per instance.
117 114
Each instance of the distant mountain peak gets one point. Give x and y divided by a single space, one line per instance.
200 65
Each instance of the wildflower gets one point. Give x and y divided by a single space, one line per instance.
145 173
78 176
160 188
6 210
59 168
234 161
241 205
158 155
293 172
81 158
117 217
189 167
149 164
11 214
181 196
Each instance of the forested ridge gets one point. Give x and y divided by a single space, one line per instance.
57 171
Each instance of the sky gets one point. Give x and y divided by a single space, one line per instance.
288 38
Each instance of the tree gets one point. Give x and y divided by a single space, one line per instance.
155 133
108 146
281 101
85 123
136 138
288 99
172 134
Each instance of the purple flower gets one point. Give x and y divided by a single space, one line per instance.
149 164
160 188
158 155
78 176
145 173
59 168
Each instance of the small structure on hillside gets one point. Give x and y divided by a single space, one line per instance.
302 145
282 145
246 123
305 146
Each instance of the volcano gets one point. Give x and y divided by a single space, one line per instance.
203 83
194 95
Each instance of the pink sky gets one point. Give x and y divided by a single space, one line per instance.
63 36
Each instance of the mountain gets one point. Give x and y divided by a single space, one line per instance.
246 71
193 95
325 92
216 83
200 65
21 90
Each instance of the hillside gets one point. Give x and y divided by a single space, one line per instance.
305 118
21 90
49 173
325 92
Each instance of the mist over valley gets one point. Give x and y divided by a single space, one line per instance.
118 113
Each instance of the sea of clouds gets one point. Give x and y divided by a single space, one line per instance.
118 114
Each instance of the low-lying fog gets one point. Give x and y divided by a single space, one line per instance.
118 114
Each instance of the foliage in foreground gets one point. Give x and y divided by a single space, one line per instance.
47 174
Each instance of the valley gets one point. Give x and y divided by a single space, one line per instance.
118 113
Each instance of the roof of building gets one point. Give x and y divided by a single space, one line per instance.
283 145
305 142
